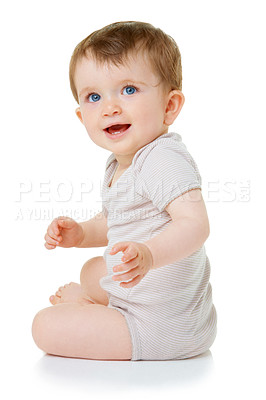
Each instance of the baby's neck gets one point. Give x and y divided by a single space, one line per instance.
124 161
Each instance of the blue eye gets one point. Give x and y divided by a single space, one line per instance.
129 90
94 97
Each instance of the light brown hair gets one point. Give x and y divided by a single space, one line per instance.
114 42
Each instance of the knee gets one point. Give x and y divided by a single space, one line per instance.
39 329
90 265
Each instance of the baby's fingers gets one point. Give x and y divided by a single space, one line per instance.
53 232
54 228
49 247
51 241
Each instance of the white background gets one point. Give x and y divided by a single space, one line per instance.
43 144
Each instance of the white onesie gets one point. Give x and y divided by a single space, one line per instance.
170 313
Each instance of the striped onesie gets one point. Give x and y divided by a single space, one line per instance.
170 314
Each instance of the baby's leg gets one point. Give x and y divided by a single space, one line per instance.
91 331
76 328
90 275
89 289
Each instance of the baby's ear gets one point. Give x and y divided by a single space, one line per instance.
174 105
79 115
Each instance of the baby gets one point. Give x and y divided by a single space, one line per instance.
148 297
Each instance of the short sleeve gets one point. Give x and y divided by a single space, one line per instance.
166 173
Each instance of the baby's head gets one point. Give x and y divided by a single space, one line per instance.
127 80
114 43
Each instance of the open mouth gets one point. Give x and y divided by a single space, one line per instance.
116 129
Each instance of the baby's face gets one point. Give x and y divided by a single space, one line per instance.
122 108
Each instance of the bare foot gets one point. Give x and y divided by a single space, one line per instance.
71 293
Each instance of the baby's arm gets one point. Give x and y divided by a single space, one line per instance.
187 232
95 232
66 232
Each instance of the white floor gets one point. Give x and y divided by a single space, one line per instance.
214 375
124 375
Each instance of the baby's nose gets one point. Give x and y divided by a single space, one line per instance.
111 108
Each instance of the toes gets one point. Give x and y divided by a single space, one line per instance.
54 300
70 292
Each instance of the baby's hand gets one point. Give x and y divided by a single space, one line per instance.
137 262
63 232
